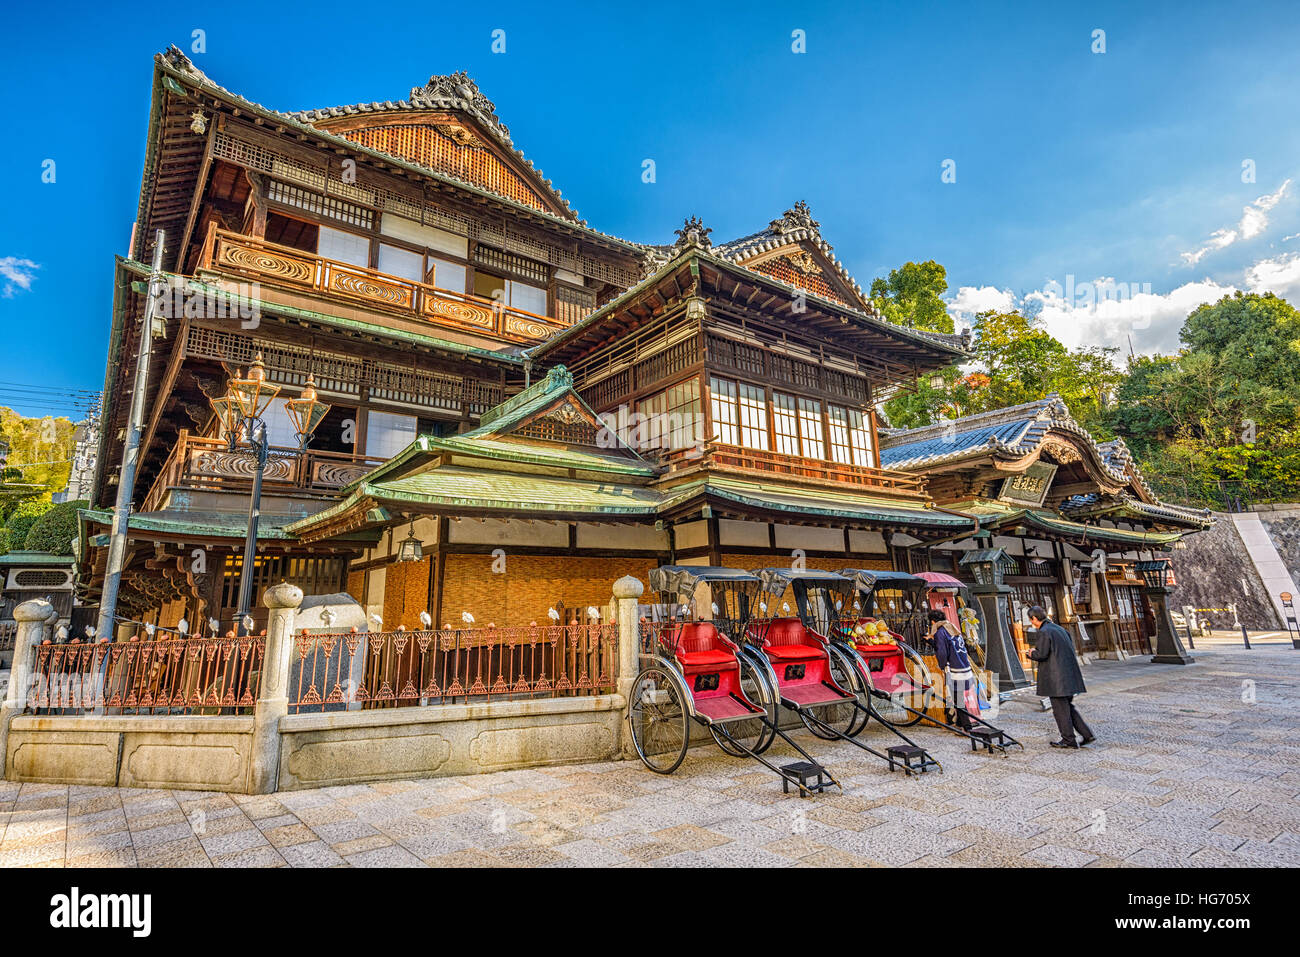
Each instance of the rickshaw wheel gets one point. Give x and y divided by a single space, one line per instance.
752 732
920 674
844 669
660 721
841 717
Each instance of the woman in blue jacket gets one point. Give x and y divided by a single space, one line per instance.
950 651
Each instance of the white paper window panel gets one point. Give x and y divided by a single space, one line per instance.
528 298
344 247
388 433
401 262
447 275
430 236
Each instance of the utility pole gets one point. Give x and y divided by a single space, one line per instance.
130 451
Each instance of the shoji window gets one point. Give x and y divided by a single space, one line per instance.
810 429
401 262
344 247
850 436
446 274
388 433
726 419
785 418
753 417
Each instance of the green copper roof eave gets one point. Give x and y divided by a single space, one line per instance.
237 528
294 312
536 455
813 502
1000 515
35 558
284 119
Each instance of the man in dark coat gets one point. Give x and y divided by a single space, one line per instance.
1059 677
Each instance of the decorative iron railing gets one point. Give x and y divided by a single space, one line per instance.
295 269
163 675
358 670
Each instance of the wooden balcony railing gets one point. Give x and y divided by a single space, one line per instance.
755 462
202 463
276 265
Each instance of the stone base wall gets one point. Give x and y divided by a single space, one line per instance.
201 753
324 749
204 753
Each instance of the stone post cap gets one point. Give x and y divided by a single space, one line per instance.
52 616
282 595
35 610
628 587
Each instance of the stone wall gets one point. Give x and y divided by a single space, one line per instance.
1210 572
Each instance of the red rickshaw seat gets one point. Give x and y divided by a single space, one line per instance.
700 648
788 640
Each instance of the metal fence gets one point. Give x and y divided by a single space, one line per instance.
357 670
163 674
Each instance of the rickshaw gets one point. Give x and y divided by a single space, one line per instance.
692 669
890 671
813 676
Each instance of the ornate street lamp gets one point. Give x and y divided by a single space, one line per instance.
239 414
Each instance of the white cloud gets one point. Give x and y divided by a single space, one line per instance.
974 299
1111 314
1280 276
17 274
1254 220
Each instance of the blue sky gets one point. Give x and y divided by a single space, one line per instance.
1072 166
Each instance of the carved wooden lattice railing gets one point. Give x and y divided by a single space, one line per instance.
285 266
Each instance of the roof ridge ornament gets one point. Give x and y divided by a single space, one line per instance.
692 233
459 91
798 217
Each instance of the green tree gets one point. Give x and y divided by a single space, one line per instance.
23 518
54 531
912 296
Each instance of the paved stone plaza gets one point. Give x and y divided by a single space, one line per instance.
1194 766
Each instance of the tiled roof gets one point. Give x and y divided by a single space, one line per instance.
175 64
456 91
1014 431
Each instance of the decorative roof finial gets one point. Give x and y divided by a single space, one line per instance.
800 217
692 233
459 91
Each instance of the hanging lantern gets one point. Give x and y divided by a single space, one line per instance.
410 549
306 412
253 394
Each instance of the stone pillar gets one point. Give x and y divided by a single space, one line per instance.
627 592
33 619
273 697
1169 647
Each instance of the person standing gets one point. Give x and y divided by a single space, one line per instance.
1059 678
950 654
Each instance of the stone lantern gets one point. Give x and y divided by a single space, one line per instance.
1169 648
993 596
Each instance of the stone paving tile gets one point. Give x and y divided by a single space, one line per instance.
253 857
310 854
1184 775
232 841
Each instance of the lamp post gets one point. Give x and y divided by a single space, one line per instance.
1169 648
239 413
